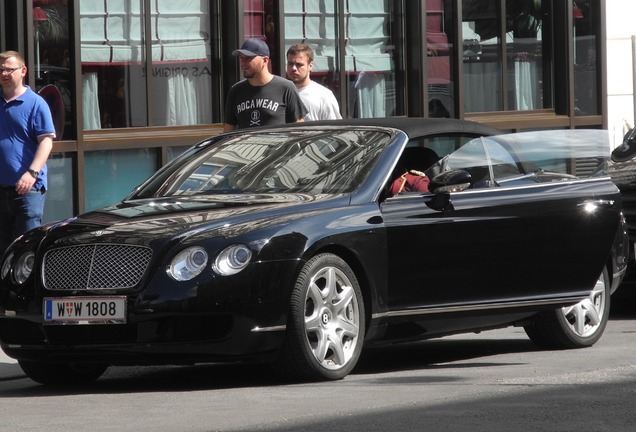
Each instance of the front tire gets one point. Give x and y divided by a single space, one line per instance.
62 373
326 325
577 326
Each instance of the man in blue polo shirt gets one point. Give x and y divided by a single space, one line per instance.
26 140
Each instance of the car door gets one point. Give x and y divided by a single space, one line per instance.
521 242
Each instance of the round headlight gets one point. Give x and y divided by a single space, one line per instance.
232 260
188 263
23 267
6 266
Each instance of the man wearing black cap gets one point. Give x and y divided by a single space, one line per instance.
262 98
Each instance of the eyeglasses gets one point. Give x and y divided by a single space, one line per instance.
8 71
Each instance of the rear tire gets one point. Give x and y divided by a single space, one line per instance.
577 326
62 373
326 325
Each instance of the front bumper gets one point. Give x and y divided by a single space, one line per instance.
175 339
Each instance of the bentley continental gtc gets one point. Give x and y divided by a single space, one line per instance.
300 245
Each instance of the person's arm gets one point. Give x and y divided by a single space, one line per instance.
332 106
228 127
26 182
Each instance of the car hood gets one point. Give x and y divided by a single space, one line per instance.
177 218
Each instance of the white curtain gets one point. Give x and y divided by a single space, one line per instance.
112 31
526 85
370 91
184 101
90 102
482 86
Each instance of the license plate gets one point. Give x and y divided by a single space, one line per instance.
85 310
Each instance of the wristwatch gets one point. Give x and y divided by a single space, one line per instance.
34 173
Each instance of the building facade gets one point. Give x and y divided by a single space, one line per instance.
132 83
621 68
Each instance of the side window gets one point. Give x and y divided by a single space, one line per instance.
502 163
424 155
487 161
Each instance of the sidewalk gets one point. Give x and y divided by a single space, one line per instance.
9 368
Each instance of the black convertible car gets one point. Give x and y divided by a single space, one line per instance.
300 244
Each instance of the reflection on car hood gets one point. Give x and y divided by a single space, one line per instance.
146 220
147 207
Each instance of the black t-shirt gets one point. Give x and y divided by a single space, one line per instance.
276 102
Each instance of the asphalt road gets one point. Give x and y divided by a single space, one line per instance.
493 381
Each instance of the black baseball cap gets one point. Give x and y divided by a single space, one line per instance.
252 48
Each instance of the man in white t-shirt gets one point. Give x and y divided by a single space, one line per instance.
319 100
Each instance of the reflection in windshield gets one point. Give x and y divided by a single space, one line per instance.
310 162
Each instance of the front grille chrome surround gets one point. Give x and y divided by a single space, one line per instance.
95 267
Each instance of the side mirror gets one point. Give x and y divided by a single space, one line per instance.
450 181
630 135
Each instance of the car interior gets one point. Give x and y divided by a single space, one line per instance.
413 158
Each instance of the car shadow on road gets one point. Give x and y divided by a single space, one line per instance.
455 352
439 353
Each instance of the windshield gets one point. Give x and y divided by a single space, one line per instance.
299 161
494 160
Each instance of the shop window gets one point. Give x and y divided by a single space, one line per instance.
114 63
52 62
585 59
525 54
118 171
439 49
369 51
59 196
181 71
317 26
482 56
491 52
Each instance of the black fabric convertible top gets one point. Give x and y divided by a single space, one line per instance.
411 126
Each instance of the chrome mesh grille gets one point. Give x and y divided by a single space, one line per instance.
101 266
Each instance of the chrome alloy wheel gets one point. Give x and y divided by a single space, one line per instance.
585 317
332 318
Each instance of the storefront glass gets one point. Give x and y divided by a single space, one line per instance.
113 56
369 51
53 62
482 56
525 55
59 196
439 53
181 69
114 173
585 58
